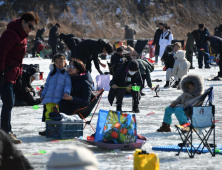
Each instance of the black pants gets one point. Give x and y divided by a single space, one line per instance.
54 50
67 107
135 96
130 43
27 97
34 49
190 59
8 100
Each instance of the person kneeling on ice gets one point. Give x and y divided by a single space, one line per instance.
192 86
124 78
25 96
58 83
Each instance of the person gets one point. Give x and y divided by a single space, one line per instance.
181 67
169 60
37 42
24 97
216 45
156 40
117 59
82 84
72 158
54 38
202 43
129 35
10 157
126 76
58 83
71 41
165 39
218 31
13 49
40 34
89 50
189 48
192 86
131 51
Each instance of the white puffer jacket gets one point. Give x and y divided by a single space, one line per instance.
181 65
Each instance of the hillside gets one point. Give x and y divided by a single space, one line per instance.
106 18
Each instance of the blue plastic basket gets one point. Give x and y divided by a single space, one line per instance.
64 129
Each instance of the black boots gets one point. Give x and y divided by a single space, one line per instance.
136 109
176 84
43 133
119 107
167 84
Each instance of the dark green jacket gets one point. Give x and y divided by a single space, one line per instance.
146 68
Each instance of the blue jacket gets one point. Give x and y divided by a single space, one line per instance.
202 43
56 86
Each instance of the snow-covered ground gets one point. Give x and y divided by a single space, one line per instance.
26 124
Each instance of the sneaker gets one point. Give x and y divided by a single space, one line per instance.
43 133
136 109
14 139
192 67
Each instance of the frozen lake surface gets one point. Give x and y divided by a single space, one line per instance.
26 124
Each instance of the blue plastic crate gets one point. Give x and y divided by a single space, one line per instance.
64 129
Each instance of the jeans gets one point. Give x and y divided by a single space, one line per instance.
201 56
54 50
179 113
8 100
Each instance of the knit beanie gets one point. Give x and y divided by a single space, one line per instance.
133 65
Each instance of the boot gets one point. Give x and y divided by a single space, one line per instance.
142 94
176 84
119 107
136 109
164 128
167 85
43 133
14 139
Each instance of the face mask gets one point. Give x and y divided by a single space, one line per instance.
131 72
169 53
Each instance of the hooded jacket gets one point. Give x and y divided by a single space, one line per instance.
165 40
131 50
188 97
88 50
56 86
181 65
189 44
120 79
13 48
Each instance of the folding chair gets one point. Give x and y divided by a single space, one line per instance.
201 118
85 111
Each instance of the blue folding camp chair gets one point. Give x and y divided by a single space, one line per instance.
201 118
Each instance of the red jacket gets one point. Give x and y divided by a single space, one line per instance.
12 50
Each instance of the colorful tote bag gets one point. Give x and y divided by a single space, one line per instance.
116 127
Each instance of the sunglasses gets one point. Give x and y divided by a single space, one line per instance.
72 67
30 26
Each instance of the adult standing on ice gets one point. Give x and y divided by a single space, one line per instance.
54 38
13 48
158 33
165 39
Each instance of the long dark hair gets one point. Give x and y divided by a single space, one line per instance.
57 56
78 64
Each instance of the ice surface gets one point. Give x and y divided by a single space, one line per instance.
26 124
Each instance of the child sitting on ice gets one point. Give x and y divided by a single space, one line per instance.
192 87
57 84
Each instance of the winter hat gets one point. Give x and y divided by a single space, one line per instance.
180 54
133 65
31 71
119 49
72 158
178 44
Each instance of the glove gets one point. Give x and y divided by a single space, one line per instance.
1 79
100 72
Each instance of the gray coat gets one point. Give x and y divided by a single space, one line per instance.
188 97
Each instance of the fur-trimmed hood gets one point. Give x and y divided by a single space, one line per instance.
197 80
